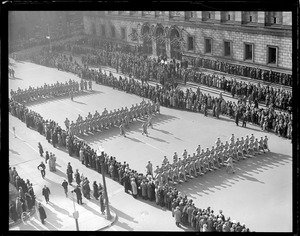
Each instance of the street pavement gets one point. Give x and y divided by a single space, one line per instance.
258 194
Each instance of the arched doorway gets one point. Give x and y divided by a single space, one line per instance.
160 41
175 45
147 41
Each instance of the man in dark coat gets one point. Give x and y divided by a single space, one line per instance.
78 194
126 182
46 193
42 168
65 186
42 212
40 149
236 115
102 205
70 173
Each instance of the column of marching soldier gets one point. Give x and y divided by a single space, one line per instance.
69 88
120 118
223 154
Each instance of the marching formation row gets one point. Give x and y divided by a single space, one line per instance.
224 154
106 120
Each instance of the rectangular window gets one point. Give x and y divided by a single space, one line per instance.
274 20
272 55
208 15
208 45
113 32
248 52
250 18
227 49
103 30
123 33
190 43
228 17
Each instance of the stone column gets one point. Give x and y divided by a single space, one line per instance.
168 47
238 17
154 47
218 16
287 18
261 18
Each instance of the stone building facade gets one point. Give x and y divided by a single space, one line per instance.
256 39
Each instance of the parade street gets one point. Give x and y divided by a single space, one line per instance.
259 193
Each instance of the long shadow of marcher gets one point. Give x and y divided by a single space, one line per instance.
122 214
14 152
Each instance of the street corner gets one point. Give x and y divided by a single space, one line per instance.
109 223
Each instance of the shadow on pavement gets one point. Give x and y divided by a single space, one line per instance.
121 214
14 152
244 169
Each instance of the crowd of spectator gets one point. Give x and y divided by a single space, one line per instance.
25 199
145 68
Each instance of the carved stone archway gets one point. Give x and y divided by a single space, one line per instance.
160 36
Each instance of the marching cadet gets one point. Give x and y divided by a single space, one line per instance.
216 158
206 163
218 142
234 153
175 173
229 164
85 85
245 148
89 115
184 154
71 95
150 121
157 107
201 163
211 161
261 144
67 123
252 138
266 146
197 165
165 160
251 147
240 150
231 139
175 157
193 166
188 159
182 172
237 142
179 162
144 126
247 140
188 169
105 112
198 149
90 85
122 131
221 155
72 131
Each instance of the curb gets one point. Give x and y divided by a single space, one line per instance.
113 220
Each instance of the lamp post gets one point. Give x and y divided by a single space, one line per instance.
49 37
100 154
75 213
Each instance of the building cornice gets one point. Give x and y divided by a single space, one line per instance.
281 31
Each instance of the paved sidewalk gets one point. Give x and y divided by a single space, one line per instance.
23 154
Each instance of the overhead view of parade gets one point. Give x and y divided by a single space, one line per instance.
150 121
